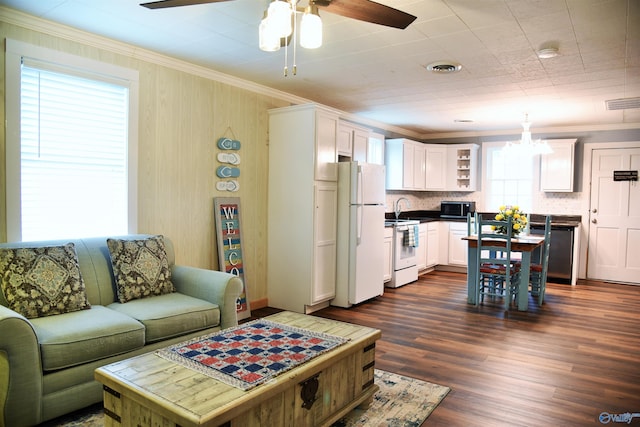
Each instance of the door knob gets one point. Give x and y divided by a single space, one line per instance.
594 210
595 221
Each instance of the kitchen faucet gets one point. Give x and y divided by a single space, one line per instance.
398 209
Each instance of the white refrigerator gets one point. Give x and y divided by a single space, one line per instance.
360 239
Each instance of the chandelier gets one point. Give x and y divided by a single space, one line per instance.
527 145
279 25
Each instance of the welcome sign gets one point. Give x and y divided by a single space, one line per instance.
229 237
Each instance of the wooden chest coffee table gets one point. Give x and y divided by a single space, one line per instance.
149 390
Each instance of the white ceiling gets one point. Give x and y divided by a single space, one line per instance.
379 73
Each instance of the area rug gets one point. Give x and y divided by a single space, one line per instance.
400 402
247 355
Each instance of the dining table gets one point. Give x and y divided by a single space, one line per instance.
524 243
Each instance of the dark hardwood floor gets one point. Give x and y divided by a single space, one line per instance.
562 364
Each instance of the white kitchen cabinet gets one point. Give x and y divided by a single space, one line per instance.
457 251
388 253
375 148
557 167
352 141
429 240
404 161
462 167
360 144
302 208
435 167
415 166
421 250
325 242
433 240
344 140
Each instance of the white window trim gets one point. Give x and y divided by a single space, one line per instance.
15 51
485 170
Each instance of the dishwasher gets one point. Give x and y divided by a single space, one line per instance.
560 252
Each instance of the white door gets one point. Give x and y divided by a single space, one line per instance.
614 228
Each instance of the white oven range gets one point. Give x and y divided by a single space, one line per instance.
405 265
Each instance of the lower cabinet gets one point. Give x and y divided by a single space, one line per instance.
428 249
433 243
388 253
423 246
457 253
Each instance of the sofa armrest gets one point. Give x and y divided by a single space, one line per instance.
20 371
216 287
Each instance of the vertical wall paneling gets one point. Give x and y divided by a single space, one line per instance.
181 115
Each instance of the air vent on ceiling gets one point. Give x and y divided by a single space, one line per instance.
622 103
444 67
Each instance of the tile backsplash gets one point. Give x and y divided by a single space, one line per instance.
545 203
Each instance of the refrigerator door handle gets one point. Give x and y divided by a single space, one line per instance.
359 215
360 202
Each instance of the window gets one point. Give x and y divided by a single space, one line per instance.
73 159
508 177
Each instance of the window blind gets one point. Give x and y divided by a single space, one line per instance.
73 155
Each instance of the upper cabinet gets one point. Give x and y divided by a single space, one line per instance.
352 141
462 167
412 165
375 148
557 167
435 167
404 161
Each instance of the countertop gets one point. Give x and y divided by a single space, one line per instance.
535 219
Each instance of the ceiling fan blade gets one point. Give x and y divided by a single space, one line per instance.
175 3
368 11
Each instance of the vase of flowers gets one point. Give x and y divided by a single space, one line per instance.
518 219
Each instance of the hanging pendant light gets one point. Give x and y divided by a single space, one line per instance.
526 145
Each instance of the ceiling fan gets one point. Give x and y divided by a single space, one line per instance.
362 10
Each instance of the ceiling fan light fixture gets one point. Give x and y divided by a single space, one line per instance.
268 39
279 18
311 28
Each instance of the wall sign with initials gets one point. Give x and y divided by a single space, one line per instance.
229 238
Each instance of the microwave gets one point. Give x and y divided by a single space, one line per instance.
456 210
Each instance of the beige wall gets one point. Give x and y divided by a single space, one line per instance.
181 116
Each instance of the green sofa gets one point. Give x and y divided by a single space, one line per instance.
47 363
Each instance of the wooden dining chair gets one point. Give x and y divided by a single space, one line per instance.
538 270
497 275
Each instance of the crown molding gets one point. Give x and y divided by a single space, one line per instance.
538 131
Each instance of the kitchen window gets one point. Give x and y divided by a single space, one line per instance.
71 154
508 177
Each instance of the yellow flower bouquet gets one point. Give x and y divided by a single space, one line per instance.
518 219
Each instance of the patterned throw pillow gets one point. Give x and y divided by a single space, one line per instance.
38 282
140 267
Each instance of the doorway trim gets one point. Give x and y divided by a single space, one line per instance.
586 201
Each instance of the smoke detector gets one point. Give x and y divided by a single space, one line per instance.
443 67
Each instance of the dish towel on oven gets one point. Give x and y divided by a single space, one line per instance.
410 237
